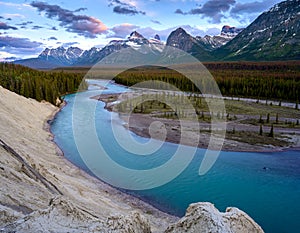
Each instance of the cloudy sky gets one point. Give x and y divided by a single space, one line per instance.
28 27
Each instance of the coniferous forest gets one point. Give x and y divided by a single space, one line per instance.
39 85
264 80
273 80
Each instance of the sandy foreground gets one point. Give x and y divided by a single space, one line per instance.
22 127
43 192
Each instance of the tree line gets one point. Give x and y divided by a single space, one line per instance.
39 85
274 80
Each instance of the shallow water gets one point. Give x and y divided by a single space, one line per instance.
270 196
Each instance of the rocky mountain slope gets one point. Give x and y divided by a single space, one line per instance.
214 42
274 35
42 192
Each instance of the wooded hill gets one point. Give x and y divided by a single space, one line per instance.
39 85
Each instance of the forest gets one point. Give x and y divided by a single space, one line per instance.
264 80
39 85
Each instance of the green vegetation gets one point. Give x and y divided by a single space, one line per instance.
39 85
273 80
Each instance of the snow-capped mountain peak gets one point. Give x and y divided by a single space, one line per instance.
135 35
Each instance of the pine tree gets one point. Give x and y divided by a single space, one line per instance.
260 130
271 134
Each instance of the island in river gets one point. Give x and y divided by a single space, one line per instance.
251 126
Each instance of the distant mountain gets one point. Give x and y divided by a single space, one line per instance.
180 39
274 35
134 41
61 55
52 58
226 35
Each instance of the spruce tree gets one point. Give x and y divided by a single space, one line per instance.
271 134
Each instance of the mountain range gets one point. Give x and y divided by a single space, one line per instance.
274 35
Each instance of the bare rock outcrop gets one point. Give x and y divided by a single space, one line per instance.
203 217
64 216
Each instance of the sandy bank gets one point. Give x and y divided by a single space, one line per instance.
21 125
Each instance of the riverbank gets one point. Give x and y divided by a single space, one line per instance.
242 132
41 191
79 199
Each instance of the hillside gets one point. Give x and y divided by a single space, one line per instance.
274 35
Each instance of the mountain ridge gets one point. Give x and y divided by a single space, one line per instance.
272 36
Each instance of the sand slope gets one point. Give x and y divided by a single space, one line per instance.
22 123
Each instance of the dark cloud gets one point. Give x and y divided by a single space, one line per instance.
83 25
127 10
81 9
252 7
22 46
15 42
178 11
212 9
1 17
54 29
36 27
52 38
25 23
156 22
69 44
9 19
4 26
124 8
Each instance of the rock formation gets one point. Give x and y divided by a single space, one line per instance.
204 217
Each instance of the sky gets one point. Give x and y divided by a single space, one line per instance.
28 27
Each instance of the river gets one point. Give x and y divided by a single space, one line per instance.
270 196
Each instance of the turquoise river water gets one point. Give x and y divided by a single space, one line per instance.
270 196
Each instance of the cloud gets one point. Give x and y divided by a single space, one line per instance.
178 11
83 25
252 7
122 30
21 46
10 16
25 23
54 29
125 7
69 44
81 9
36 27
155 21
52 38
212 9
4 26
